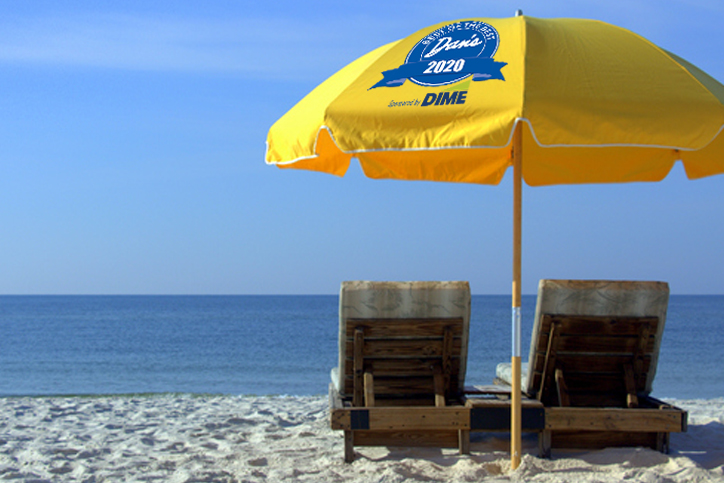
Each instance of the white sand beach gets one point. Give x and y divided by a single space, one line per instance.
182 438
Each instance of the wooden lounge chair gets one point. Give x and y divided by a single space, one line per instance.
592 362
402 360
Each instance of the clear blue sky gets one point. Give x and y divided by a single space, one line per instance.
132 138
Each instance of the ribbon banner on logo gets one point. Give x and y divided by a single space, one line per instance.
480 68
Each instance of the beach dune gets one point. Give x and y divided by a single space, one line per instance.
185 438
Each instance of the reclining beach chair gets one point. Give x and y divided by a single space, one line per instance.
402 359
593 356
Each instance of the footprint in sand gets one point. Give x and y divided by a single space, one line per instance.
258 462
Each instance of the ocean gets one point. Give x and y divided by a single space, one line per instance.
269 345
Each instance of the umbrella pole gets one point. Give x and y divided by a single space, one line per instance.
515 407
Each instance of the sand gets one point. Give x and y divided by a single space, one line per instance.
184 438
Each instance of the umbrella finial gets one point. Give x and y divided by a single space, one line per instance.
519 13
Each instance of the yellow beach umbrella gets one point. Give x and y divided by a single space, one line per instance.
563 101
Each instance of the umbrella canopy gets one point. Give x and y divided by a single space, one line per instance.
461 101
575 84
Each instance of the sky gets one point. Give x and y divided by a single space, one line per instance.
132 142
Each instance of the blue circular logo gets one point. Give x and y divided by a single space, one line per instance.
448 55
449 48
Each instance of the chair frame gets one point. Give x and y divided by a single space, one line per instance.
403 381
593 372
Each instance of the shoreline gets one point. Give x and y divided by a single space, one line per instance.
217 438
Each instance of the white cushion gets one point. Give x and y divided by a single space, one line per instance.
504 372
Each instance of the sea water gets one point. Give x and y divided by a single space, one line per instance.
262 345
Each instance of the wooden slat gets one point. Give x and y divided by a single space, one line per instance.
597 399
399 401
407 385
562 389
405 418
419 418
596 392
404 385
404 367
598 325
597 382
598 363
427 327
613 419
369 389
589 382
404 347
409 438
580 344
603 439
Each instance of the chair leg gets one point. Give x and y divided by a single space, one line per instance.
662 442
544 444
348 446
464 441
439 384
631 399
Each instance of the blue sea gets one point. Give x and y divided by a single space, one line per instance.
266 345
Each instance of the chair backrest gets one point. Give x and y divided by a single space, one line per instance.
410 330
601 337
